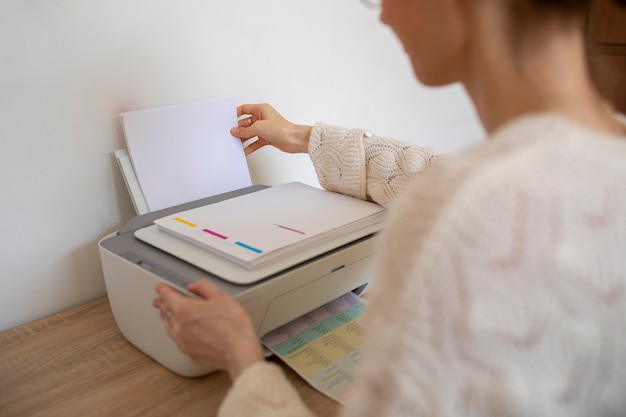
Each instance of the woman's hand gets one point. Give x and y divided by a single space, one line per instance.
214 331
271 129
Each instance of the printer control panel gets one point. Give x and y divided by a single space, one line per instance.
168 275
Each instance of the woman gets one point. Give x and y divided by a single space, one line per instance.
501 281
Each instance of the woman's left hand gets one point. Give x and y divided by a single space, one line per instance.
215 331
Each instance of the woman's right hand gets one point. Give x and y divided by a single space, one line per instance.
271 128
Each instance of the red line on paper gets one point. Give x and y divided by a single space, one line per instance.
211 232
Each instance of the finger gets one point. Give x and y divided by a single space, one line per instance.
165 291
204 289
157 303
244 133
167 318
168 322
170 298
245 121
254 146
247 109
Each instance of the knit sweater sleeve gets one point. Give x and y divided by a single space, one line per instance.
365 166
263 390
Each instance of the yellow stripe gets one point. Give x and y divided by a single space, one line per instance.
178 219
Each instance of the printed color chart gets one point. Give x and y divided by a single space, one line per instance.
323 346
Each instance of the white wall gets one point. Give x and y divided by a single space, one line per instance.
68 67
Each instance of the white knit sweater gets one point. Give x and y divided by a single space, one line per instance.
501 277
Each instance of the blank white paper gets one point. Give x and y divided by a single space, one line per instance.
185 152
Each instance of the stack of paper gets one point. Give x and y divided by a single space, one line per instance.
272 224
185 152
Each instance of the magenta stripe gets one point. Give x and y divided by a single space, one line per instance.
214 234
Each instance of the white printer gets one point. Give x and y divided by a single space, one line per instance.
134 259
185 152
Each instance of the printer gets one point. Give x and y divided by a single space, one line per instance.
138 256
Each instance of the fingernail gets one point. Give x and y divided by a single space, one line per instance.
235 131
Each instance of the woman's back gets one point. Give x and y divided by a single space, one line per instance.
502 282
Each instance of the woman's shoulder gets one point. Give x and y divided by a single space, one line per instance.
531 160
532 146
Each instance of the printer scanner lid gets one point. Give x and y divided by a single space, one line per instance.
229 270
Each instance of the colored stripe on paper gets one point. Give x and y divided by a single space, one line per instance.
253 249
183 221
211 232
290 228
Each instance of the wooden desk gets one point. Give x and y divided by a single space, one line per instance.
77 363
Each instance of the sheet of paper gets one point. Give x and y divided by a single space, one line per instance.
271 224
185 152
323 346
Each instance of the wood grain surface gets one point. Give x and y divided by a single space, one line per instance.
77 363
